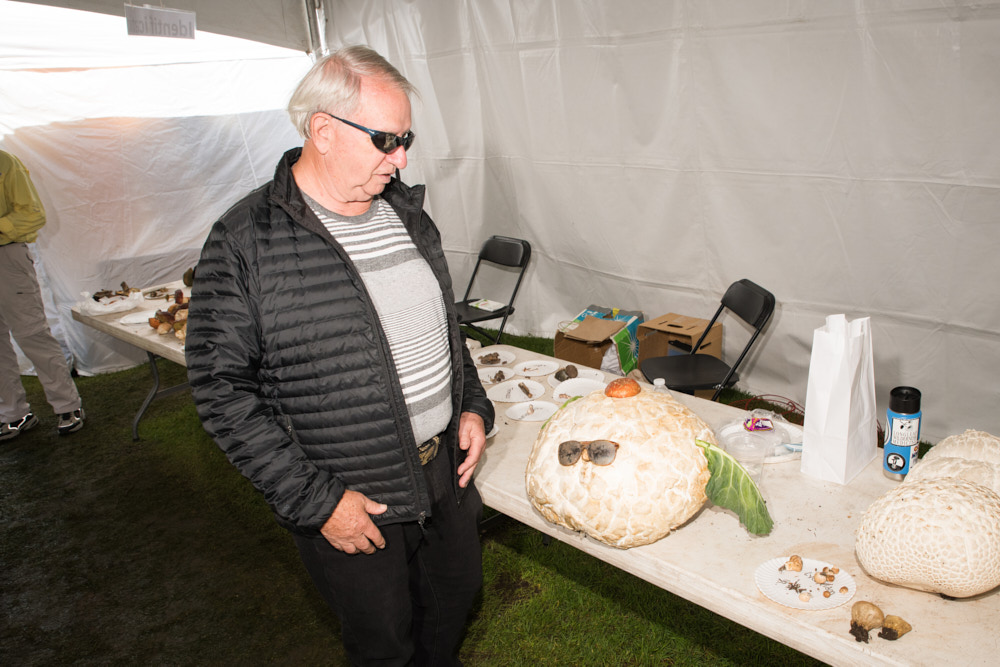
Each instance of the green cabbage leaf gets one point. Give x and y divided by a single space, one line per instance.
732 488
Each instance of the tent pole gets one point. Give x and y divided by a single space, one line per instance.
316 20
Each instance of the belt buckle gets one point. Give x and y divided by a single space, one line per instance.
428 450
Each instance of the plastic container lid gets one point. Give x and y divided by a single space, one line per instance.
904 400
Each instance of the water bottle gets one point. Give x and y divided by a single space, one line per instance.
902 433
660 385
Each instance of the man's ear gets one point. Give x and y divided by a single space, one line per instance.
321 131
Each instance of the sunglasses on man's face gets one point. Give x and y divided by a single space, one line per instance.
386 142
598 452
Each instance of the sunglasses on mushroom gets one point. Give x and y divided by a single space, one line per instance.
598 452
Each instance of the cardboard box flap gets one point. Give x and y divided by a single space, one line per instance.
677 324
595 330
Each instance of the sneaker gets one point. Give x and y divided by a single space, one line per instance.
15 428
70 422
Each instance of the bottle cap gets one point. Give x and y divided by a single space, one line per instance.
659 382
904 400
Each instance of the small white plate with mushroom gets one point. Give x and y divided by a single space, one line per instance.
537 367
515 391
489 357
804 583
532 411
581 372
576 387
496 374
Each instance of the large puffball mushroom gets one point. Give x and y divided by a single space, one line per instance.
983 473
655 483
940 535
972 445
973 456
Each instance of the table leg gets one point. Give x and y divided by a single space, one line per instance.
155 392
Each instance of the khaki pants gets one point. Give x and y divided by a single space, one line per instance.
22 315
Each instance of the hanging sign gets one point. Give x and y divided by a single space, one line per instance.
159 22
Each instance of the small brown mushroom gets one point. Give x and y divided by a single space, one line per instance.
893 627
793 564
865 617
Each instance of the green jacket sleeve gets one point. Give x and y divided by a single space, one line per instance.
21 209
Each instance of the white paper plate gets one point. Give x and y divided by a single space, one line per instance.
512 391
494 431
788 448
784 453
785 586
791 447
791 434
137 318
506 357
532 411
581 372
576 387
536 368
487 373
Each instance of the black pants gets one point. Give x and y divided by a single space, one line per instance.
407 604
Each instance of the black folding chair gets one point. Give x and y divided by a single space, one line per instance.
501 251
689 372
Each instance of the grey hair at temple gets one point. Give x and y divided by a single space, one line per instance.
333 84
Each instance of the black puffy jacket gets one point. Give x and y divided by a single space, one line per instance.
290 368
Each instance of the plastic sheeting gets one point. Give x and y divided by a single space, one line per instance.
136 145
841 154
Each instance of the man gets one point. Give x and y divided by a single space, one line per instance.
22 313
326 360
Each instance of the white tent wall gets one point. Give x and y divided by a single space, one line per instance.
136 145
842 154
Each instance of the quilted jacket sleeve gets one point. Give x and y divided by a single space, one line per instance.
473 395
224 358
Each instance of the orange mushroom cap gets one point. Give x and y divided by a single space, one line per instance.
622 388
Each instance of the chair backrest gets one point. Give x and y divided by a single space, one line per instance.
751 303
505 251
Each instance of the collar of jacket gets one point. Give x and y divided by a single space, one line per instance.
286 193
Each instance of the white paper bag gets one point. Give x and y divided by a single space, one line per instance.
839 434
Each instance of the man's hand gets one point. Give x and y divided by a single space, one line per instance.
472 438
350 528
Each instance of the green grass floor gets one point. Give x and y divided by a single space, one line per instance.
157 552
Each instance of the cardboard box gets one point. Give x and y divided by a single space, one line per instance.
676 334
587 339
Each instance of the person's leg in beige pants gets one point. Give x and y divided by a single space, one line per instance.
22 314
